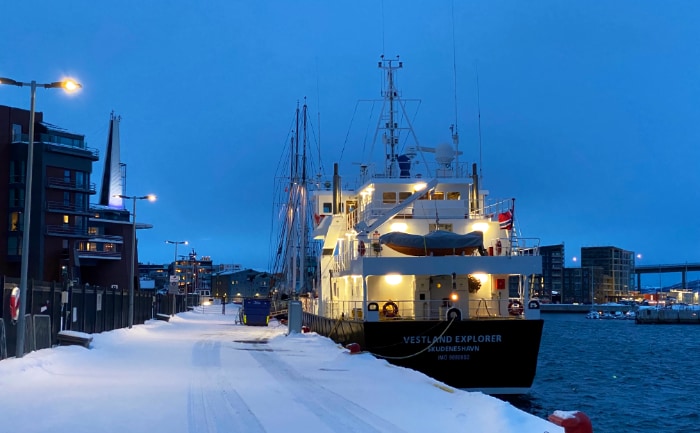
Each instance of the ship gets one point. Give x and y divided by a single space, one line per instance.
415 263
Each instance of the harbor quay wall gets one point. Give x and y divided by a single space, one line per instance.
583 309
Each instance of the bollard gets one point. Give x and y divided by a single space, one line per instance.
573 422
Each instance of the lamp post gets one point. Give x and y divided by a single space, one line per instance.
68 85
176 243
149 197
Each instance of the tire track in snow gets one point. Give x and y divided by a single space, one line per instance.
334 410
213 404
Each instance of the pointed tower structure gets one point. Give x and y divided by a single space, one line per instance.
111 177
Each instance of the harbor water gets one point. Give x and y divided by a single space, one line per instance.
626 377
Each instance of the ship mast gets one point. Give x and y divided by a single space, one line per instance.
391 135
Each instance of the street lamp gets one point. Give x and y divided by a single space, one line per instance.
175 267
68 85
149 197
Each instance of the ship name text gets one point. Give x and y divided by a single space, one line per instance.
451 339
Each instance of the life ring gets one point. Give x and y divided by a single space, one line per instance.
390 309
454 314
534 304
361 248
515 308
499 248
14 304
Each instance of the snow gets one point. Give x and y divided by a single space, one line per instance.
203 372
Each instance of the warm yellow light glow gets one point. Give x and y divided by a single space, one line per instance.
480 227
70 85
481 277
420 186
151 197
398 227
454 297
393 279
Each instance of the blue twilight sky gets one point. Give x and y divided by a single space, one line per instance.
590 110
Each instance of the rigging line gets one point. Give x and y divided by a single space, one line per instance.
478 108
347 134
454 61
318 114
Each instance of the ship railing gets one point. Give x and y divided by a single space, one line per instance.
427 169
389 309
526 247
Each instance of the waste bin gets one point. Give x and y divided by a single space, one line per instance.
256 312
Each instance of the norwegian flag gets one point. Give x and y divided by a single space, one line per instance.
505 219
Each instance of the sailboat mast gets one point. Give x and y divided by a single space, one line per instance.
302 207
292 237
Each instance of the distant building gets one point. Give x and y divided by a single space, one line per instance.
246 283
616 271
552 271
156 273
192 273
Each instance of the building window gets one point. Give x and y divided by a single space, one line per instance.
16 197
445 227
110 248
17 171
79 179
66 198
14 247
66 219
15 221
66 176
92 231
17 133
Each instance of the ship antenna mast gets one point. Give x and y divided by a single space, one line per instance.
391 96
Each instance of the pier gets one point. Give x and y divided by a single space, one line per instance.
584 308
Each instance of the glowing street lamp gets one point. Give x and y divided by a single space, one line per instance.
149 197
68 85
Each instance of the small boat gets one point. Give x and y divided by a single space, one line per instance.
593 315
435 243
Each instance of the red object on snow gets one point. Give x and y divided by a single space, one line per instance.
305 329
353 348
14 304
573 422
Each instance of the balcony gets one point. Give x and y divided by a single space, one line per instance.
61 183
61 207
57 143
100 247
106 238
90 254
67 231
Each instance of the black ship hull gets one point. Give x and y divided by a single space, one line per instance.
497 356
